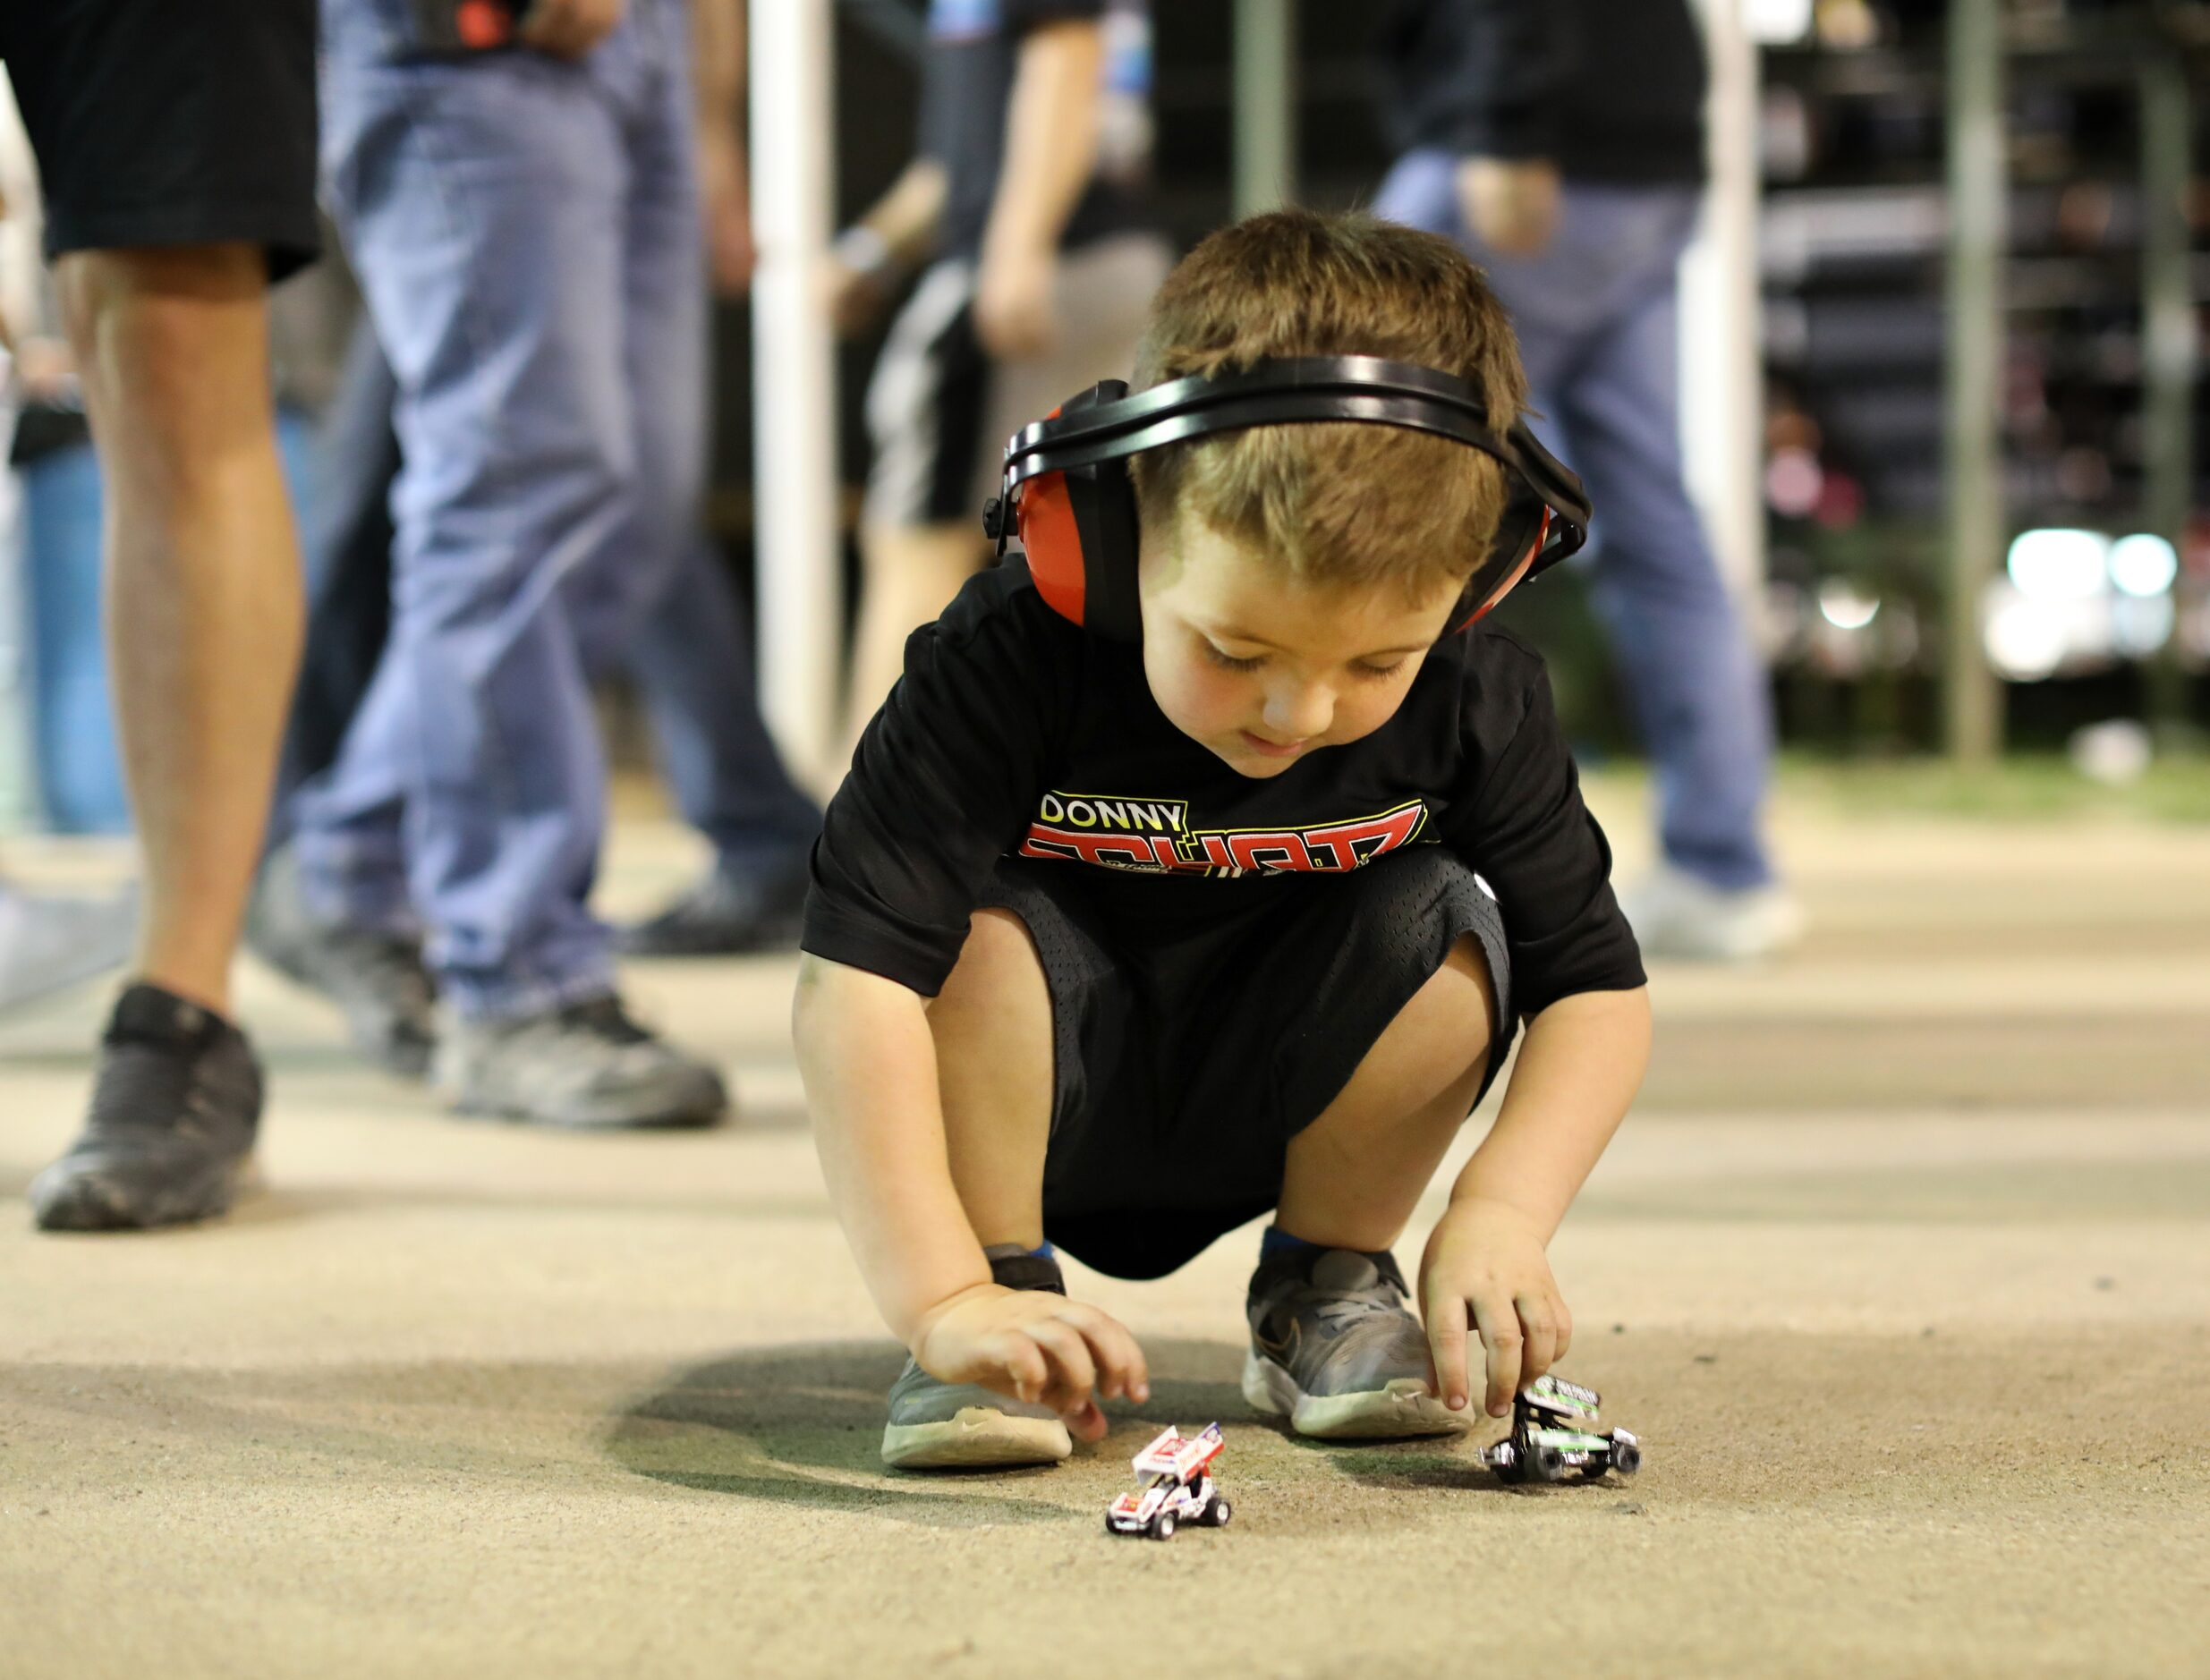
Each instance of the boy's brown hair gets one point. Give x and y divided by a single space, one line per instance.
1338 503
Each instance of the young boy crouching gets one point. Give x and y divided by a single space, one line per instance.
1116 945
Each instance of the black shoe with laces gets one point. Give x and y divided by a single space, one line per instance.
588 1064
730 912
170 1137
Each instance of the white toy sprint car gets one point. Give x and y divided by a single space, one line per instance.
1553 1431
1176 1488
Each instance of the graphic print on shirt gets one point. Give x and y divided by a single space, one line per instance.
1152 837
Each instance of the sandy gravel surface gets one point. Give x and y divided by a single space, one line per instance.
1902 1272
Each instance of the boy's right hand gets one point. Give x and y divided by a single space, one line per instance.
1037 1347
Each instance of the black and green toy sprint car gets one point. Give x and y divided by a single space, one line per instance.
1555 1430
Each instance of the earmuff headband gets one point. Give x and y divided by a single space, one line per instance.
1079 447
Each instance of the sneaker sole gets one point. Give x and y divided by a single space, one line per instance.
96 1202
706 1104
676 1119
976 1437
1401 1410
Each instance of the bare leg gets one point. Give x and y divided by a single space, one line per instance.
203 578
992 1027
911 574
1355 1174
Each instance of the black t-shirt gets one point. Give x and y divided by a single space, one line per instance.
967 90
1017 732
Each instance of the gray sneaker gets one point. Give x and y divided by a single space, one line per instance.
48 942
1676 915
588 1065
936 1425
377 981
1335 1350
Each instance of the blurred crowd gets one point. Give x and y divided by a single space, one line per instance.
356 615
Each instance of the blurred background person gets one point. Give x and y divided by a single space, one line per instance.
1561 142
523 212
177 149
690 657
47 941
1029 192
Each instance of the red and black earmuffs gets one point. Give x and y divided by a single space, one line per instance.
1068 495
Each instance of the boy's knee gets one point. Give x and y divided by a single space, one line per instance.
998 967
1463 989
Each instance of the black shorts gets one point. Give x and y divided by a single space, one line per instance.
169 122
939 409
1185 1061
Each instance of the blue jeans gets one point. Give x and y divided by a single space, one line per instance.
1597 317
526 233
691 658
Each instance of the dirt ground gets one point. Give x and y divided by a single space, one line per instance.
1902 1270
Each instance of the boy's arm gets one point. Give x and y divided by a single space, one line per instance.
1484 1271
869 1069
1578 979
1050 151
869 1063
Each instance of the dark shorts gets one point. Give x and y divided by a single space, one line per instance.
939 409
169 122
1186 1063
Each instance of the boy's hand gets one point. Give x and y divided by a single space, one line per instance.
1036 1346
1484 1264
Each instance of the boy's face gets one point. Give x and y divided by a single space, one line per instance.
1262 670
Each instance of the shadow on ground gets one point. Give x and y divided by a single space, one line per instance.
803 1425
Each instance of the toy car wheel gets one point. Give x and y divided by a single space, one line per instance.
1546 1464
1109 1529
1627 1458
1220 1511
1163 1529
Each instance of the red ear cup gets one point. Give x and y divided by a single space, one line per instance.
1519 570
1053 542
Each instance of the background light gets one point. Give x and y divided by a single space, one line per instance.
2143 564
2055 565
1843 607
2026 639
2140 624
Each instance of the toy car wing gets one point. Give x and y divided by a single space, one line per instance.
1558 1395
1172 1455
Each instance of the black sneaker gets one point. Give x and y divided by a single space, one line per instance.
170 1137
1336 1351
377 981
728 914
587 1066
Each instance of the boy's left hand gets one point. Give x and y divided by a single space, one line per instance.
1484 1270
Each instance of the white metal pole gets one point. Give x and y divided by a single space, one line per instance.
1972 455
1721 394
1265 96
794 376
